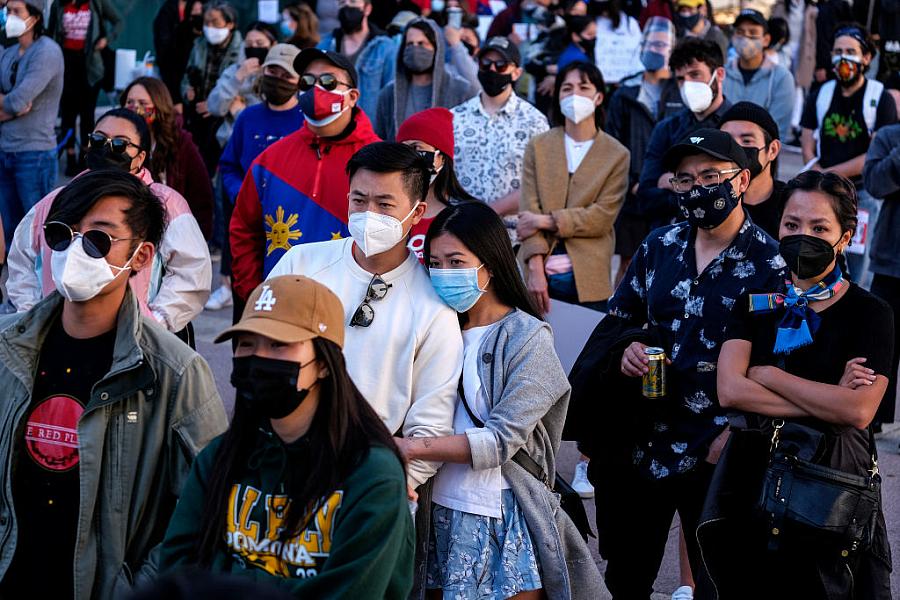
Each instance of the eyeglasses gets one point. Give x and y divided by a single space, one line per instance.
365 314
499 65
707 180
117 145
96 243
326 80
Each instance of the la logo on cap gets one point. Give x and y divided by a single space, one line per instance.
696 140
266 300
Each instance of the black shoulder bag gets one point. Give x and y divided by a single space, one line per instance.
569 500
815 501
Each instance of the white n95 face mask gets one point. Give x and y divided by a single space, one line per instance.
697 96
577 108
375 233
79 277
15 26
215 35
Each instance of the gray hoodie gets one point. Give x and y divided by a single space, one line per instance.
882 179
398 101
771 86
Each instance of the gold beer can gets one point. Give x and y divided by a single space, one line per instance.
654 384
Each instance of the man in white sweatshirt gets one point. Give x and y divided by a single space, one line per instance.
402 343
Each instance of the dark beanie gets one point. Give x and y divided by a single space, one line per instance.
748 111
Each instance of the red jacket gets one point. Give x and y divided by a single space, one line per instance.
294 193
186 174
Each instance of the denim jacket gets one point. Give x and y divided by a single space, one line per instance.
374 65
145 422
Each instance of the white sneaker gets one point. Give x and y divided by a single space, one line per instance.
220 298
580 482
685 592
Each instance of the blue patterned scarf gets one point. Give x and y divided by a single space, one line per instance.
800 322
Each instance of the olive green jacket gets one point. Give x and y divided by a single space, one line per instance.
145 422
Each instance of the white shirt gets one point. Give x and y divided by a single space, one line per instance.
407 362
489 149
576 151
456 485
618 51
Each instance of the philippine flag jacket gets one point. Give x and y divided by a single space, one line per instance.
294 193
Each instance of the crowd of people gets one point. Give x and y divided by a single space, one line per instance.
397 195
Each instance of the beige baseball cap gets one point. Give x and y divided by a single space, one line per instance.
291 308
283 55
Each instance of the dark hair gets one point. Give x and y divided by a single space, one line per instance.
610 7
479 229
839 190
265 28
146 218
773 166
422 25
39 28
447 187
856 31
165 128
394 157
343 429
227 10
588 72
577 24
691 49
779 30
140 126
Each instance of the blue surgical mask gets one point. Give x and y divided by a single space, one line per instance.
457 287
3 17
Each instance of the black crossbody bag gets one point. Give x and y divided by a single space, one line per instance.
820 503
569 500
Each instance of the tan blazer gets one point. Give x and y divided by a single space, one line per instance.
584 206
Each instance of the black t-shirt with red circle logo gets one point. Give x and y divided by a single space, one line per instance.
45 479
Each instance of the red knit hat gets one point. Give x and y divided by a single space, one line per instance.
434 126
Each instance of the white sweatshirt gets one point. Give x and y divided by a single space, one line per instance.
407 363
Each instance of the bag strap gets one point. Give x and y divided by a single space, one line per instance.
521 458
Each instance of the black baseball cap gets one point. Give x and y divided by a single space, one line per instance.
748 111
339 60
504 46
712 142
754 16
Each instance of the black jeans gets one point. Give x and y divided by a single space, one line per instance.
634 516
78 98
888 289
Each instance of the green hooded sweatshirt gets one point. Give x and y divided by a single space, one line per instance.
359 544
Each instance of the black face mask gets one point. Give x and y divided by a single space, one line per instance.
469 48
588 47
708 208
268 386
104 158
806 256
276 90
197 22
257 53
493 83
351 18
687 23
755 167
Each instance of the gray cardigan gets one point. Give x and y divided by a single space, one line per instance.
881 176
39 80
528 393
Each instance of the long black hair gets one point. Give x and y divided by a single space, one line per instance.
480 230
343 429
588 73
447 188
